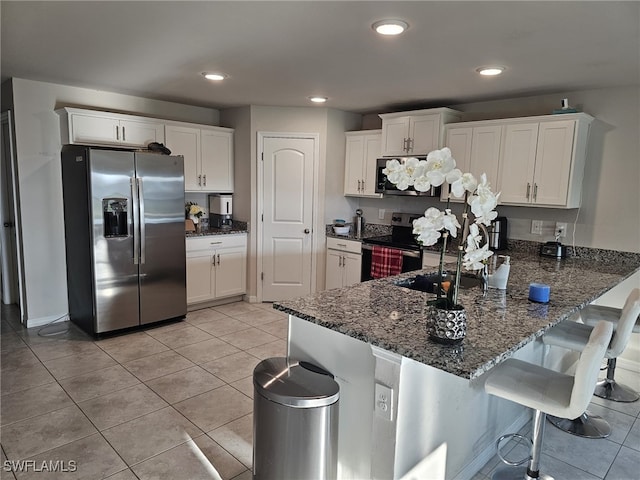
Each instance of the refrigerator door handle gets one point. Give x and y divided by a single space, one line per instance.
136 220
142 222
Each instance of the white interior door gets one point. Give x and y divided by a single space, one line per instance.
288 171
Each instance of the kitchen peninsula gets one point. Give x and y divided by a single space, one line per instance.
403 396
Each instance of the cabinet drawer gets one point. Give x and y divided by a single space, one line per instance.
344 245
213 242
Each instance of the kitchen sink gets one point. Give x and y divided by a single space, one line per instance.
425 283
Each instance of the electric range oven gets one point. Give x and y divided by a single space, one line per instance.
401 238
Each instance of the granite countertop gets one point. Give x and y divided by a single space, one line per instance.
499 323
217 231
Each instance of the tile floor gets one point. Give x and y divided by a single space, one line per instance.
175 402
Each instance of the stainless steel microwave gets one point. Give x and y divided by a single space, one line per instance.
385 187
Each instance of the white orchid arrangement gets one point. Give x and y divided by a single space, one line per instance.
194 210
438 168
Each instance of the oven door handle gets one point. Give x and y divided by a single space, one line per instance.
405 253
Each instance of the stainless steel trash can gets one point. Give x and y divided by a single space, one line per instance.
295 421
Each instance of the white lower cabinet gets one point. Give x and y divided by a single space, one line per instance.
344 262
216 267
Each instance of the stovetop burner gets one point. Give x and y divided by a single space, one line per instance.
403 242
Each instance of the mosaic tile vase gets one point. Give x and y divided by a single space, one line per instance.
444 325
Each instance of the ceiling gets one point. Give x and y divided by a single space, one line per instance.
279 53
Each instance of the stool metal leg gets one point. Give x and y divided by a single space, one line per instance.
532 471
611 390
586 425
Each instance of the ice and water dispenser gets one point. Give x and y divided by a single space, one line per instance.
115 216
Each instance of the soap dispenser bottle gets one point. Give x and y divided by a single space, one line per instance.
500 277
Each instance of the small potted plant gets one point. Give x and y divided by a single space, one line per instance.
194 211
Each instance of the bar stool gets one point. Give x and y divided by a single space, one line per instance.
548 392
573 336
608 388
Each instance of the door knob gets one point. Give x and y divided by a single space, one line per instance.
307 231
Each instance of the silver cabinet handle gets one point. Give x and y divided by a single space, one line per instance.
136 220
143 235
409 144
117 133
358 185
218 259
535 192
307 231
340 261
213 260
404 145
342 245
215 243
204 180
124 136
199 180
528 190
362 186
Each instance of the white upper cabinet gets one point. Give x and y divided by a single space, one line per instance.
476 150
362 151
414 133
208 156
542 162
88 127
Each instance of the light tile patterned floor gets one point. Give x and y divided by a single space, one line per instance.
175 401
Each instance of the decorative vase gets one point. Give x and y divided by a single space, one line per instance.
446 325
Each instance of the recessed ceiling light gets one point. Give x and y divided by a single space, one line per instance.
216 77
318 99
490 71
390 27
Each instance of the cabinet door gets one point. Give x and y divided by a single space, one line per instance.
485 153
372 145
199 277
553 162
352 264
185 141
354 165
459 142
515 176
334 269
140 133
217 161
95 130
424 132
395 132
230 272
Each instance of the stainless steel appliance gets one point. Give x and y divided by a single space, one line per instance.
386 187
498 234
124 229
358 222
220 210
401 238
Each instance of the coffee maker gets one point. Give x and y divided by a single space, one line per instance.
220 210
498 234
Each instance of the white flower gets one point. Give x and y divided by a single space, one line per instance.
474 259
393 165
450 222
463 182
483 203
439 164
427 228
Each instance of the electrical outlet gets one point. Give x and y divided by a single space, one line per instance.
561 229
384 401
536 227
381 212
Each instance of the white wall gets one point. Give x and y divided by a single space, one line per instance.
39 171
610 214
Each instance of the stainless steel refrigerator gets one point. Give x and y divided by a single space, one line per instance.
125 237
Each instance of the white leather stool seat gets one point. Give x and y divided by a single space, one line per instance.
592 314
552 392
532 386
